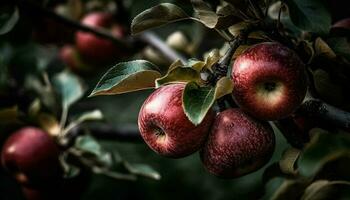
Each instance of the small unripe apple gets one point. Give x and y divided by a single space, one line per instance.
178 41
165 127
155 57
237 144
269 81
31 155
95 49
71 57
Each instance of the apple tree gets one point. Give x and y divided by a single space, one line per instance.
97 98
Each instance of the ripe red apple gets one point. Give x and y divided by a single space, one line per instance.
344 23
269 81
95 49
31 155
165 127
71 57
237 144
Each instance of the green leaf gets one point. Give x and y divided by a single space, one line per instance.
156 16
9 115
288 161
127 77
87 116
179 75
323 148
142 170
49 123
197 101
223 87
212 58
324 189
228 15
205 14
90 116
9 17
340 46
197 65
69 86
290 189
323 49
310 15
88 144
92 150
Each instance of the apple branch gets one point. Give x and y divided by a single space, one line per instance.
146 37
325 112
108 132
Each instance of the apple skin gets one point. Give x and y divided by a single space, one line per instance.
237 144
344 23
270 81
95 49
31 155
71 57
165 127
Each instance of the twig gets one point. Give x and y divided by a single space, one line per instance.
108 132
154 41
39 10
320 110
146 37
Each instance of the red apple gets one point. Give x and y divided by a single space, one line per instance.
344 23
31 155
71 57
95 49
165 127
269 81
237 144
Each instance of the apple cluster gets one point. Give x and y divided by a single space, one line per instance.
91 52
32 157
269 84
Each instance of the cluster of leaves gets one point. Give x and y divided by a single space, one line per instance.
305 26
48 93
318 171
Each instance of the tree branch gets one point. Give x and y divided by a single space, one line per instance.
39 10
154 41
129 42
322 111
129 133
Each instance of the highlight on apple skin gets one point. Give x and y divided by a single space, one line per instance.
270 81
31 156
237 144
165 127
